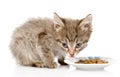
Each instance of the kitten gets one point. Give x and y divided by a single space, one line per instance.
38 41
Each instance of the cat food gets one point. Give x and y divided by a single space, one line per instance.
91 61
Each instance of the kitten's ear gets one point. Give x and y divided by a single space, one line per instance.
86 23
58 23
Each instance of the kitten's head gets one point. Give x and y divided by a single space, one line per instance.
72 35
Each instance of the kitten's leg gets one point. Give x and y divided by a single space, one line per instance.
44 45
48 58
61 60
39 64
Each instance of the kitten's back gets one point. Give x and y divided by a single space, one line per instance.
33 27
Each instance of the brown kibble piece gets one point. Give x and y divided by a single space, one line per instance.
93 61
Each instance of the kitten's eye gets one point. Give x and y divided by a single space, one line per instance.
65 45
78 45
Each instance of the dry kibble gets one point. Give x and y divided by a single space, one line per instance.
99 61
86 62
91 61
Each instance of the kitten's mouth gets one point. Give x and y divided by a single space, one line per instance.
68 55
71 55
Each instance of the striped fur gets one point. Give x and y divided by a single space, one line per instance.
39 40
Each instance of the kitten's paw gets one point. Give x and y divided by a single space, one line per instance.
52 65
62 63
39 64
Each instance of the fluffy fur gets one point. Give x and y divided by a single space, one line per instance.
38 41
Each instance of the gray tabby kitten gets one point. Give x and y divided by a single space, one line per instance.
38 41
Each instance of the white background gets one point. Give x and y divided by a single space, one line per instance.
105 40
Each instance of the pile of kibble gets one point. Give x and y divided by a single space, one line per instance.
91 61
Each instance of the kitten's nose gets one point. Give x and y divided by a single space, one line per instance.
72 55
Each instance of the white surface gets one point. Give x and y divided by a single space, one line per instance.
105 40
63 71
71 61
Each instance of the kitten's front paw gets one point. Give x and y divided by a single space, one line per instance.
52 65
39 64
